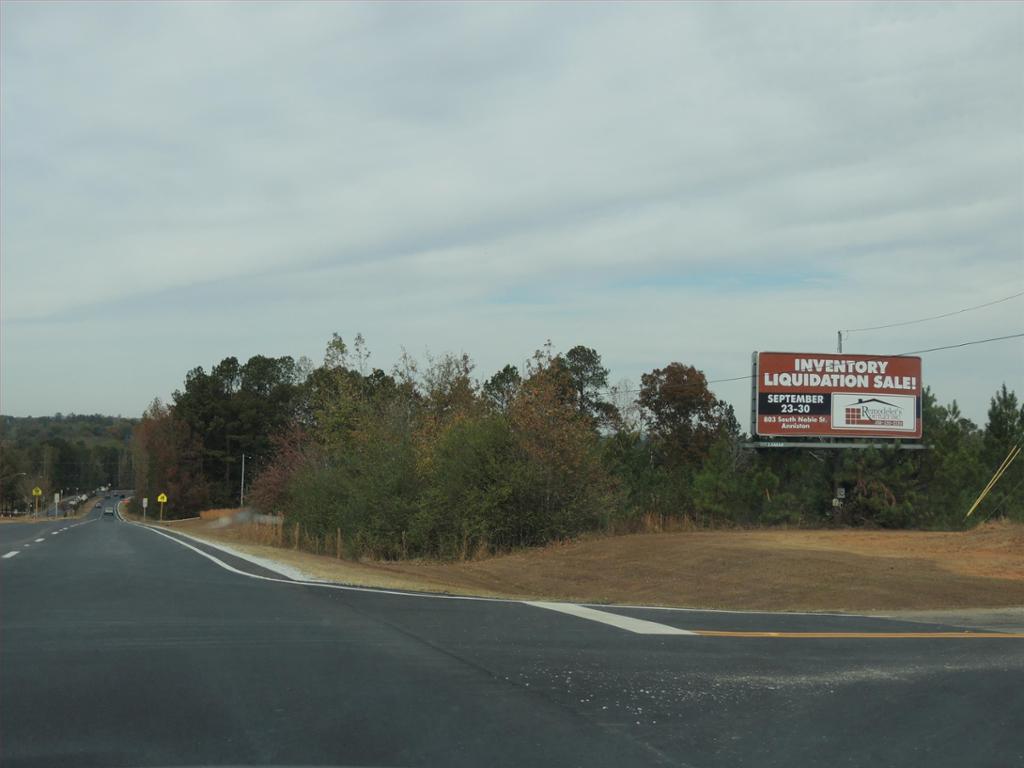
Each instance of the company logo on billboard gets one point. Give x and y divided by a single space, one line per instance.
890 412
875 413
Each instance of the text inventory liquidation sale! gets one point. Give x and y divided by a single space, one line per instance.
799 393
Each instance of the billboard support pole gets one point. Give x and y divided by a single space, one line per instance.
837 503
837 458
753 395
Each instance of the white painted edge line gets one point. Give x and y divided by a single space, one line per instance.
302 578
638 626
285 571
297 575
293 574
321 584
10 554
729 610
579 610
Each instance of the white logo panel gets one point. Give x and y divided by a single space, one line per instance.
885 413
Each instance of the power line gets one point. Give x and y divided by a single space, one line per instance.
936 317
610 390
901 354
734 378
964 344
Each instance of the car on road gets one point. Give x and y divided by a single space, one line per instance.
109 511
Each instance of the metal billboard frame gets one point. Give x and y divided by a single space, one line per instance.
837 445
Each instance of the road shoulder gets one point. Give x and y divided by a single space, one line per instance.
989 619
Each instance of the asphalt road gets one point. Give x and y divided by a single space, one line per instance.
122 647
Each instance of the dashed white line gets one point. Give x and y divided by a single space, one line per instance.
55 533
38 540
9 555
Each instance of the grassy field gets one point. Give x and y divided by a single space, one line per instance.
847 570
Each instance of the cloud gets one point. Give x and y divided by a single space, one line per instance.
182 182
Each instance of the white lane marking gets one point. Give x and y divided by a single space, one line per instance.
55 533
26 545
346 587
9 555
38 540
574 609
639 626
724 610
287 571
272 566
322 584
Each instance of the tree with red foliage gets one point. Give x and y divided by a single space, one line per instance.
684 416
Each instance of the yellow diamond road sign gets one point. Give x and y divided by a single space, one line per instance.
162 498
37 491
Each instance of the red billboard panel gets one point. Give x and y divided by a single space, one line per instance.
805 394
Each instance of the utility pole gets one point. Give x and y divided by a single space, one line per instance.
839 345
241 490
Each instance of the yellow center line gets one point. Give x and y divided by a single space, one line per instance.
861 635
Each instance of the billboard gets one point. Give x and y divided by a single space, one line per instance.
804 394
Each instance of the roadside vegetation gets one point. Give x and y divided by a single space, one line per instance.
70 453
428 460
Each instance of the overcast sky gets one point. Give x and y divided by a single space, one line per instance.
183 182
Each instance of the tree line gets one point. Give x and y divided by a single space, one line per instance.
70 453
428 460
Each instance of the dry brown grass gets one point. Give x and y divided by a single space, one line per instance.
773 569
22 520
83 509
213 514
